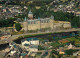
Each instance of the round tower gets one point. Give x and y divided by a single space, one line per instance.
25 24
30 15
51 22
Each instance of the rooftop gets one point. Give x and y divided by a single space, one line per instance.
34 46
30 39
30 12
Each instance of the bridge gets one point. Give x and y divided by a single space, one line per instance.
15 37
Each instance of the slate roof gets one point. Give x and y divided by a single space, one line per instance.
30 12
23 54
30 39
34 46
26 44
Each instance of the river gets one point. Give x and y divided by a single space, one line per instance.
61 35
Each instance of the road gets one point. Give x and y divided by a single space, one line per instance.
49 52
15 37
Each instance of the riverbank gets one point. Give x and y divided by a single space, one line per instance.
16 37
56 35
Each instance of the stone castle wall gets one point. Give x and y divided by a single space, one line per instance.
44 23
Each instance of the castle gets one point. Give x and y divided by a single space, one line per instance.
43 23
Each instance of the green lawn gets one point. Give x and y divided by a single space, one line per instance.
73 39
56 44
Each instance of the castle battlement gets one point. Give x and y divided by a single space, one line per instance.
44 23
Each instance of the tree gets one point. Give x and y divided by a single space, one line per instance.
7 22
40 47
60 55
53 56
69 52
50 38
55 52
18 26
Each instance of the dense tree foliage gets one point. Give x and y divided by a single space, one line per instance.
18 26
62 16
67 17
40 47
70 51
53 56
55 52
43 12
7 22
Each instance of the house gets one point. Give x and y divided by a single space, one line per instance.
29 41
12 45
5 37
12 52
33 48
23 55
77 13
61 50
0 6
63 41
31 44
76 53
45 41
71 46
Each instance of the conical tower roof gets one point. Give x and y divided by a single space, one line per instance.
52 17
25 19
30 12
38 18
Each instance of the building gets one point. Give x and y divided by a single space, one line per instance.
71 46
61 50
76 53
30 41
30 15
5 37
63 41
43 23
31 44
77 13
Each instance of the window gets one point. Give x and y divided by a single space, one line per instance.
29 22
47 21
34 22
42 21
